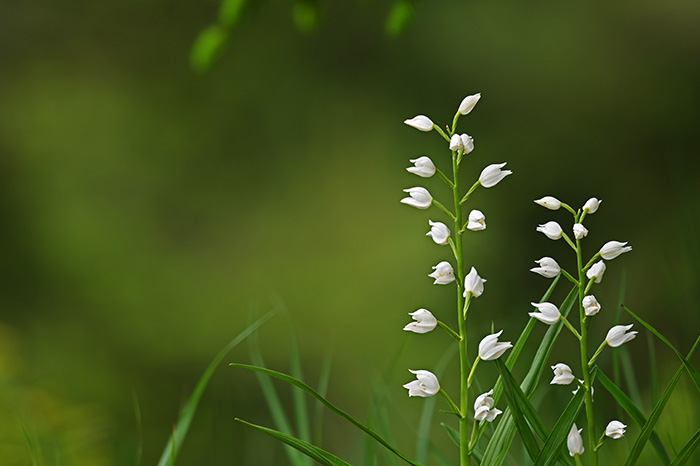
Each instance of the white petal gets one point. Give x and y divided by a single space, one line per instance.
468 103
420 122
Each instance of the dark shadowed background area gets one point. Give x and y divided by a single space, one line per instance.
149 210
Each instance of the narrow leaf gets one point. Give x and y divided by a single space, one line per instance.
187 413
313 452
451 433
329 405
634 412
687 450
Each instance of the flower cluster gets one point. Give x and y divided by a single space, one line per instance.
469 285
583 280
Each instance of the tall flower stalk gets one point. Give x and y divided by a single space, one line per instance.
468 286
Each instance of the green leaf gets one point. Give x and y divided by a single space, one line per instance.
208 47
306 448
230 12
329 405
552 446
694 375
184 420
687 450
634 412
656 413
451 433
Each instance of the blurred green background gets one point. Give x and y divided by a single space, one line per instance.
148 209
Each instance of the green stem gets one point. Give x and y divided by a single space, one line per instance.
469 193
466 305
446 328
588 286
454 122
568 240
445 178
570 209
600 441
570 327
569 277
443 209
590 262
577 458
453 247
451 403
464 452
471 373
584 358
441 132
473 439
597 352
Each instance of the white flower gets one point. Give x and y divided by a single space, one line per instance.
551 203
424 167
619 335
596 271
443 273
439 232
483 407
574 441
612 249
425 322
580 231
591 305
462 142
548 267
420 122
492 175
468 103
426 384
419 198
473 284
551 230
562 374
477 221
615 429
591 205
549 313
490 348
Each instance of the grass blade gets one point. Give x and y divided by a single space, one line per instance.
313 452
687 450
694 375
184 420
323 380
656 413
634 412
329 405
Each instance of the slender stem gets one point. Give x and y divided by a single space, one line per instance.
451 403
570 209
597 352
570 327
471 373
589 286
445 178
474 438
441 132
577 458
443 209
590 262
568 240
452 246
600 442
469 193
464 451
466 305
584 358
446 328
454 122
569 277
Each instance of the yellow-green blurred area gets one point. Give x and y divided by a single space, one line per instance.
149 210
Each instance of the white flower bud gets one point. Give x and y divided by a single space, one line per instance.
580 231
425 322
483 407
473 284
419 198
551 203
591 205
420 122
562 374
443 273
439 232
468 103
456 143
426 384
490 348
477 221
424 167
574 441
612 249
591 305
549 313
615 429
551 230
548 267
596 271
492 175
619 335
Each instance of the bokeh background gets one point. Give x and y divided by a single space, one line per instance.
149 210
